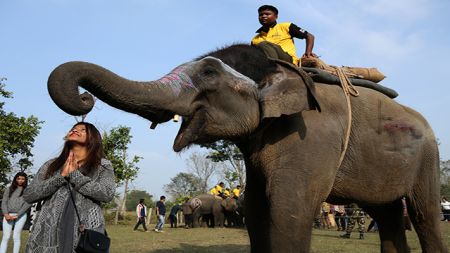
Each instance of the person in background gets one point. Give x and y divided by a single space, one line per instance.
81 169
173 215
218 190
277 39
14 210
226 192
445 205
357 216
339 213
325 210
236 192
160 213
141 212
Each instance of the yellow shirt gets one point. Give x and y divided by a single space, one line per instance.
216 190
236 192
279 35
226 193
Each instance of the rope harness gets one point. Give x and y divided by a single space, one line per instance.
349 90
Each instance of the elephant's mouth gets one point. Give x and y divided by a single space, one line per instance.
190 128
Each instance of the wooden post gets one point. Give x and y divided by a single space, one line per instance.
181 219
149 215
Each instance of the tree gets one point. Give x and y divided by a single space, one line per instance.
116 150
134 197
445 178
17 136
202 168
445 172
183 185
234 167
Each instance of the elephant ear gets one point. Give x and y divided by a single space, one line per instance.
287 91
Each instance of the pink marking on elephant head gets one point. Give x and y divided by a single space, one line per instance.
177 79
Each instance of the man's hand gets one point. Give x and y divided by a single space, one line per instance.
310 55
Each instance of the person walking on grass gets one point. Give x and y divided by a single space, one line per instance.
160 213
141 212
14 210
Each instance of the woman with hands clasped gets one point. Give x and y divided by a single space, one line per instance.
14 211
91 179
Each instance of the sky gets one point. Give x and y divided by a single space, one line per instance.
407 40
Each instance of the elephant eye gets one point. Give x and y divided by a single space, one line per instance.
209 72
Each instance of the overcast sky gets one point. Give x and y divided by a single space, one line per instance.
408 40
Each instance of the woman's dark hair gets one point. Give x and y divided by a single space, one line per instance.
14 185
94 147
268 7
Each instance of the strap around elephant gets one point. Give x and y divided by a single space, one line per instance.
348 89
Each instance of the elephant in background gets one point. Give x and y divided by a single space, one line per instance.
210 209
292 133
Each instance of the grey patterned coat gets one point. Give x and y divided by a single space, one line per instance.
90 190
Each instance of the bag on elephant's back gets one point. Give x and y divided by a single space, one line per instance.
371 74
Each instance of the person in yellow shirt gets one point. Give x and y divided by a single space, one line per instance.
236 192
226 192
218 189
277 39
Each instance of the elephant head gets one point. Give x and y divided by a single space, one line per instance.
216 101
229 204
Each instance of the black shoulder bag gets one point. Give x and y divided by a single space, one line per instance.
90 241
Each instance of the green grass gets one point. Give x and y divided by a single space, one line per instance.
218 240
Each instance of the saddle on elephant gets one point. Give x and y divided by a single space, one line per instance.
364 77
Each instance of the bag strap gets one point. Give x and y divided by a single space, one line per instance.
76 209
75 206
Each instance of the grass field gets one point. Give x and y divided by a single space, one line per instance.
221 240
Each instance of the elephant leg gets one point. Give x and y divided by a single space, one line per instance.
391 226
195 219
257 213
219 219
282 221
423 212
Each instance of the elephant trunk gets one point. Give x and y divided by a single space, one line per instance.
156 101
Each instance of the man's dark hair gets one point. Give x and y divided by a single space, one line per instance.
268 7
141 201
162 197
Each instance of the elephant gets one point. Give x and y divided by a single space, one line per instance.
211 208
302 142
